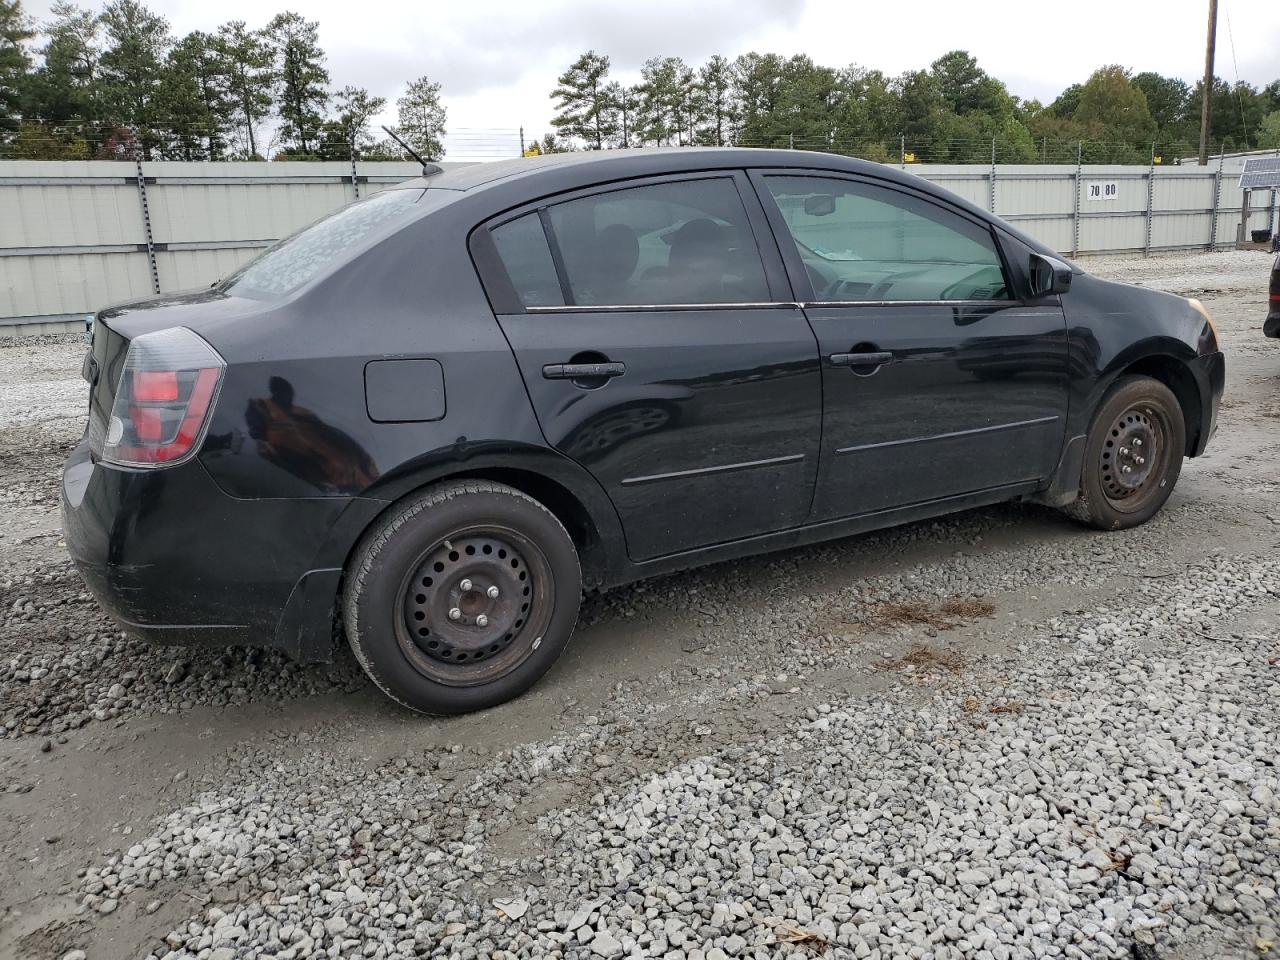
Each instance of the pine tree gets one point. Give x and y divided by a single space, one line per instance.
585 108
422 118
250 79
300 69
715 90
15 31
666 99
349 130
137 42
196 99
623 101
64 89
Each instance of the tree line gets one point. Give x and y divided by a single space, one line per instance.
116 83
951 112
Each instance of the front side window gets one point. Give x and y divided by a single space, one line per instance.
678 243
861 242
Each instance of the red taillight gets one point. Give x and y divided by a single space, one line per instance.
155 386
167 392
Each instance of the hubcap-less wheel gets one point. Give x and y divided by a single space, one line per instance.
1133 456
476 606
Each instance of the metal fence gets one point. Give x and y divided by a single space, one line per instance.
77 236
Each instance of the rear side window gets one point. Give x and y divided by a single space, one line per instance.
678 243
861 242
522 247
302 257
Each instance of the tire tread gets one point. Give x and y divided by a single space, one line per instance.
369 547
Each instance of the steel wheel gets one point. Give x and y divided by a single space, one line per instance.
1133 456
476 605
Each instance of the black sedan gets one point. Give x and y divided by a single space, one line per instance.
436 416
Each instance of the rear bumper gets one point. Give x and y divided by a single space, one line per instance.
175 560
1271 326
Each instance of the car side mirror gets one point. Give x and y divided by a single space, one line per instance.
1049 276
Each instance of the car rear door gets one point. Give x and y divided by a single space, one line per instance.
659 345
938 379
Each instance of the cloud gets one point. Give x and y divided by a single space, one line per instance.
472 52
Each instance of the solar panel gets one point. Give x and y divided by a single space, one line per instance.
1261 173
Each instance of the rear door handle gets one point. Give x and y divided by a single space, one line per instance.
583 371
860 359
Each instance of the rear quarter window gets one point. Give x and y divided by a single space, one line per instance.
522 247
301 258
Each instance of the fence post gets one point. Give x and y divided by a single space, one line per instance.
991 181
1075 209
146 224
902 150
522 141
1151 189
791 141
1217 199
355 179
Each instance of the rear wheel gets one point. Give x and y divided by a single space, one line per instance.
462 598
1133 455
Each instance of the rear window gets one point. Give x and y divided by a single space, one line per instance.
297 260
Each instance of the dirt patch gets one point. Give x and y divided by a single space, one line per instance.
926 659
949 613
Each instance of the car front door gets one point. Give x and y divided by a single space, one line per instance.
939 380
660 347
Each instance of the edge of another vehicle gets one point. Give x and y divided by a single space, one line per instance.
1271 326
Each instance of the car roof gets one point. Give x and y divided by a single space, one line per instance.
525 178
602 165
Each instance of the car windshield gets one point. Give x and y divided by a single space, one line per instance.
298 259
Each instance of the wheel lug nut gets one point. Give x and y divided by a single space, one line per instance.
482 621
455 614
1124 451
1126 469
1141 460
464 586
1137 442
492 592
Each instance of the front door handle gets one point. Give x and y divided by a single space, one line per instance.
860 359
583 371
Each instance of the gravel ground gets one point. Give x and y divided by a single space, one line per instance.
996 735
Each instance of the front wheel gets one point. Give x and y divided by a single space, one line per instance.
1133 455
462 598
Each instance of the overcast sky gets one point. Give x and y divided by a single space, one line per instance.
498 59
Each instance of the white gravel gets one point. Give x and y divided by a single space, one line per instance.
1122 793
1189 274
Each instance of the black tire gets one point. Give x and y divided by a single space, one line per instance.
419 600
1135 409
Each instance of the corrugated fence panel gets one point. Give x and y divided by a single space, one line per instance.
199 268
65 284
73 237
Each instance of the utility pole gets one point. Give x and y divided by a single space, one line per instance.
1207 93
